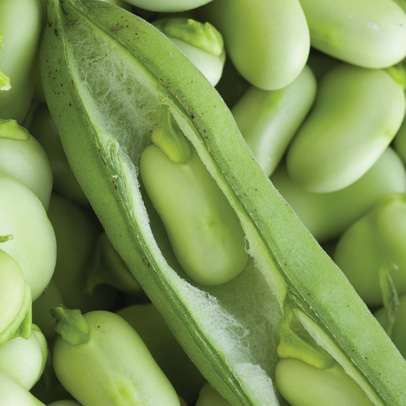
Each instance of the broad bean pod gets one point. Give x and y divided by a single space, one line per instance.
105 124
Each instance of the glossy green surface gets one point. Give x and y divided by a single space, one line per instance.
376 240
21 23
212 324
257 33
126 372
356 115
377 25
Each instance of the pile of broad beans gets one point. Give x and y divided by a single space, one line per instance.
145 166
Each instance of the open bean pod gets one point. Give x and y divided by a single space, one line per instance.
105 72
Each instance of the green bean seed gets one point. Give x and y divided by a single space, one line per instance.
101 351
33 245
268 120
20 28
328 215
376 240
15 300
304 385
200 42
357 113
14 394
366 33
258 33
23 158
208 396
203 229
24 359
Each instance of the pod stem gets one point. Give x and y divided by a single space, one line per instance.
169 137
293 344
71 325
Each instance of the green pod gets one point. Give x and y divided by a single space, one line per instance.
43 129
12 393
102 361
268 120
204 231
268 41
375 241
398 334
64 403
33 244
23 158
208 396
15 301
23 359
20 30
328 215
76 236
229 331
366 33
305 385
356 115
200 42
146 321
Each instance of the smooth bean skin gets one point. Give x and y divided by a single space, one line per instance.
22 157
374 241
203 229
208 396
398 335
184 376
200 42
268 120
43 129
33 246
328 215
14 394
21 25
304 385
357 113
15 297
64 403
366 33
257 34
24 359
168 6
114 363
76 236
